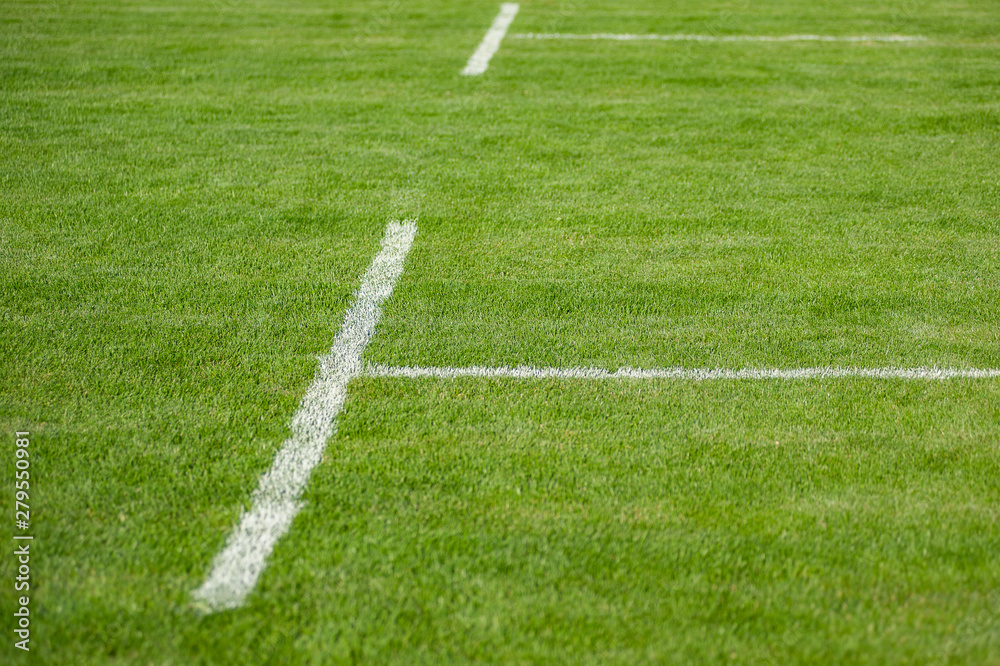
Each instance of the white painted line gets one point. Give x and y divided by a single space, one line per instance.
480 60
689 374
719 38
276 501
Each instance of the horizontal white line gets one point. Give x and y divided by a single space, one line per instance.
480 60
719 38
276 501
690 374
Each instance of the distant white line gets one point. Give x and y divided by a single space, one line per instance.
719 38
480 60
690 374
276 501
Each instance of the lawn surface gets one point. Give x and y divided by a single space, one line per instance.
190 192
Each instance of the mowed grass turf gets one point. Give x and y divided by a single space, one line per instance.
191 192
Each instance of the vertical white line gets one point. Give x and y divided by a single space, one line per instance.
480 60
236 569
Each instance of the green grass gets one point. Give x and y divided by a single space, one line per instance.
190 192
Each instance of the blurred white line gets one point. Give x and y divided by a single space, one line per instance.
480 60
719 38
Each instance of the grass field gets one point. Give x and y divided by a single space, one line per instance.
190 193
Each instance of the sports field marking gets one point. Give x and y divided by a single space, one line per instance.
718 38
689 374
276 500
480 60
